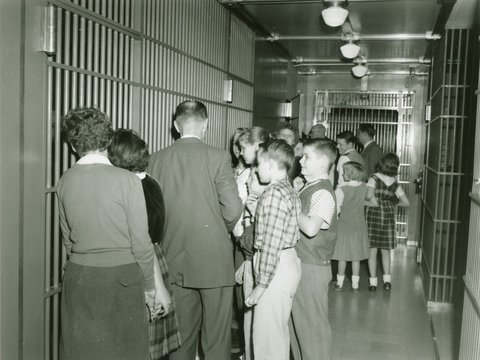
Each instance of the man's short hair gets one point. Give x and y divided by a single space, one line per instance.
317 131
323 147
191 111
279 151
368 129
348 136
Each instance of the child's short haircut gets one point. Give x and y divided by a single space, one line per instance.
389 164
279 151
323 147
254 135
348 136
353 170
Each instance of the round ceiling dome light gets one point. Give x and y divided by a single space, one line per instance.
334 15
359 70
350 50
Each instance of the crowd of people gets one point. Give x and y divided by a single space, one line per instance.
157 243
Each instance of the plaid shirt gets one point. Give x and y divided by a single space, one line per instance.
276 228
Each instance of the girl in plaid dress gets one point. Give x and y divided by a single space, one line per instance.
383 194
128 151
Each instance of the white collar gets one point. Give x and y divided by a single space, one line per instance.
93 159
141 175
190 136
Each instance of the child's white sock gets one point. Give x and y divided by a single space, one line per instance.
340 279
373 281
387 278
355 280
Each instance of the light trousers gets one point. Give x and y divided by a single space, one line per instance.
248 283
310 331
271 338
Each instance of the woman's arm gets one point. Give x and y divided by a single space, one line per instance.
163 300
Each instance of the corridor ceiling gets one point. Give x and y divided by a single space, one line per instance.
395 36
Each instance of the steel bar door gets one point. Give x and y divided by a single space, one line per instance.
390 113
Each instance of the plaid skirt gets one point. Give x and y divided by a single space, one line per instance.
164 334
381 225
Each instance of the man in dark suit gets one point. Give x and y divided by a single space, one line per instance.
372 153
202 205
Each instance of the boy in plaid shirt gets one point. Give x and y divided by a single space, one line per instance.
276 265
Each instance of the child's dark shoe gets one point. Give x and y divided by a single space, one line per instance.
387 286
372 288
338 288
355 290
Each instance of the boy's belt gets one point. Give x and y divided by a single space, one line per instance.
289 247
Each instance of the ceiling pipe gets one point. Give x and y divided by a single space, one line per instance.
336 62
389 37
393 72
296 2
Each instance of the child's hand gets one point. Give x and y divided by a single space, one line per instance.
298 183
255 296
254 186
163 302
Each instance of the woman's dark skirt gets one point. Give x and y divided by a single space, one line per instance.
103 313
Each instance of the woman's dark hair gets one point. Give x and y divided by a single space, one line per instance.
128 151
388 165
87 129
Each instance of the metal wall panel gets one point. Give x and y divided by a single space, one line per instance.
136 61
390 113
242 48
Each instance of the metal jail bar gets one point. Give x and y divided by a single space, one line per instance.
391 114
136 61
444 196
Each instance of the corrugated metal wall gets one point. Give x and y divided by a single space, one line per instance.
136 61
447 163
390 113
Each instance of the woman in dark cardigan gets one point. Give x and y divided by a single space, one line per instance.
109 275
128 151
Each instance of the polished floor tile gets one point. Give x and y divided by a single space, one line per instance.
383 324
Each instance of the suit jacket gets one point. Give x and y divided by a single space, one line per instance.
372 155
201 206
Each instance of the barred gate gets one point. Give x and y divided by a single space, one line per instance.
390 113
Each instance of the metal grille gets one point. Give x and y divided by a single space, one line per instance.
91 67
136 61
445 207
390 113
470 340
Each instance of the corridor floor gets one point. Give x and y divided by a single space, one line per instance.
383 325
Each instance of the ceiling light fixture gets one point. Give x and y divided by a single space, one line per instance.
350 50
334 15
359 70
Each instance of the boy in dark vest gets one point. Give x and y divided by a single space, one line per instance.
310 330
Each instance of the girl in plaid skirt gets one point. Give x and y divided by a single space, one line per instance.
383 194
